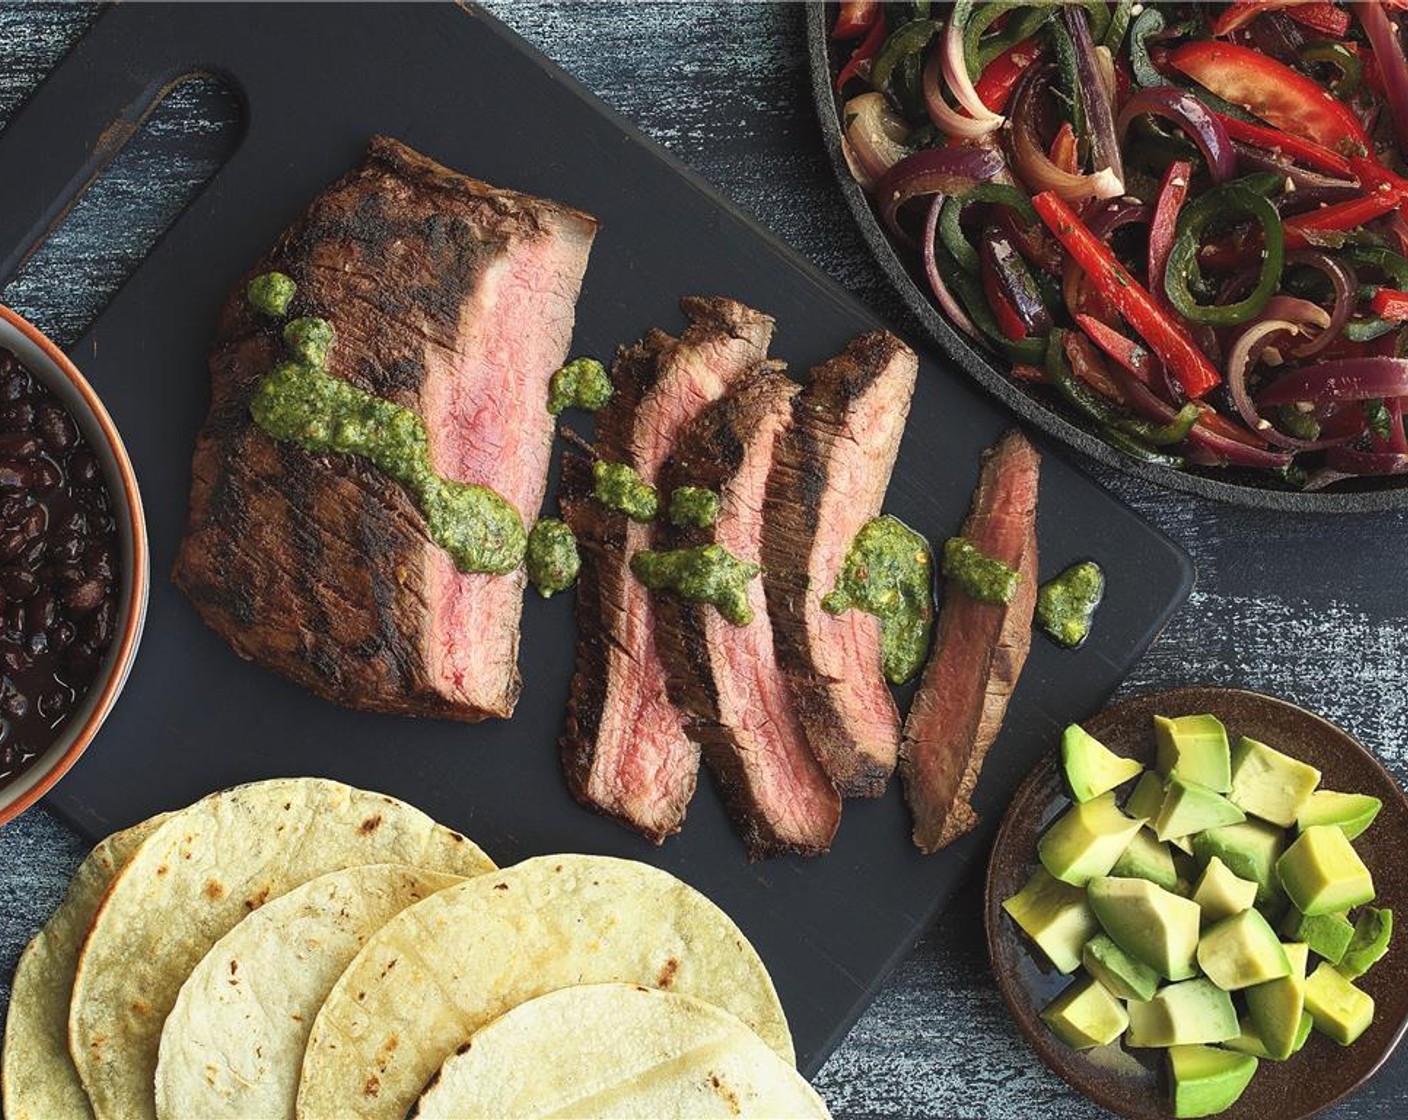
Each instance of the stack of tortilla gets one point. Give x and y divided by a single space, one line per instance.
299 948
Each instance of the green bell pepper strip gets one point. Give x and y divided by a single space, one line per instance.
1146 25
950 217
1119 24
1103 412
1030 351
974 18
1342 59
1368 329
1391 264
1142 451
1217 205
907 39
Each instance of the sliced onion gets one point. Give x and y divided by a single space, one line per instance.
875 134
1097 95
1242 358
1348 379
1346 284
955 68
933 171
949 305
1320 187
1301 312
1032 162
945 118
1192 117
1388 53
1347 463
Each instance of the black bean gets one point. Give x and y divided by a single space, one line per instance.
18 583
84 598
74 522
61 637
35 521
20 445
41 612
65 548
15 659
54 702
15 704
14 621
14 382
68 575
99 561
43 476
57 427
17 416
12 542
33 555
98 628
14 475
83 468
13 507
37 644
94 499
80 663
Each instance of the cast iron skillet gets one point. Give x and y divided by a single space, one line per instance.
1229 485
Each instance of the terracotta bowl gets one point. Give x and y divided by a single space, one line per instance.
48 364
1131 1083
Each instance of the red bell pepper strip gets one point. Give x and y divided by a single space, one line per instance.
1240 14
1330 21
999 78
856 16
1274 92
1390 304
1273 140
1300 230
1125 351
1008 321
1373 175
868 49
1163 228
1168 338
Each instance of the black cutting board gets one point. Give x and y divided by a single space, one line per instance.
316 82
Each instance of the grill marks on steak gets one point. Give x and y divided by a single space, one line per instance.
726 677
625 750
452 298
829 477
978 654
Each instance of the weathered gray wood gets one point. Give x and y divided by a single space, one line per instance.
1307 608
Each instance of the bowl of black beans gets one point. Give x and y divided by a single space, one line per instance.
73 564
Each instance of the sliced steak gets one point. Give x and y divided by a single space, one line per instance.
725 677
978 654
828 479
454 299
625 750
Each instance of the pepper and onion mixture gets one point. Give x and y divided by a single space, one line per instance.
1185 220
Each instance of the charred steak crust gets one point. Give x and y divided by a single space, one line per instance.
979 652
318 566
828 479
726 678
625 750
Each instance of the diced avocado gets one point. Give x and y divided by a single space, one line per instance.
1340 1010
1086 1015
1091 767
1222 894
1328 935
1149 923
1241 951
1196 747
1086 840
1183 843
1055 916
1307 1024
1189 808
1372 933
1248 1041
1146 858
1353 812
1249 849
1322 873
1269 784
1144 800
1276 1007
1205 1080
1122 974
1188 1012
1186 867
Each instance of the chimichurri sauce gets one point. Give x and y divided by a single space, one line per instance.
1066 605
301 402
618 486
271 293
889 572
981 577
707 574
693 507
582 383
553 560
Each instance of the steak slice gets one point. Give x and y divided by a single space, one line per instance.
978 654
454 299
725 677
828 479
625 749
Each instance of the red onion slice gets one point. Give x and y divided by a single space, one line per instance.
1096 95
875 135
1388 53
1244 355
1348 379
1033 164
1192 117
945 118
933 171
955 68
949 305
1346 284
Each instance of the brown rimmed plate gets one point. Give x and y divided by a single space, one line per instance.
1131 1084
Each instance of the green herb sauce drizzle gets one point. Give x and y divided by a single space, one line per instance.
1066 605
693 507
618 486
981 577
582 383
889 572
553 560
706 574
271 293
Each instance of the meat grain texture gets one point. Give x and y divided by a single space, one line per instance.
454 299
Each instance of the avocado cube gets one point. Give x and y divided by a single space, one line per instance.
1151 924
1189 808
1055 916
1085 1015
1183 843
1188 871
1269 784
1340 1010
1328 935
1091 767
1123 975
1353 812
1196 747
1086 840
1144 800
1372 933
1241 951
1322 873
1188 1012
1276 1007
1204 1080
1248 1041
1250 849
1307 1024
1146 858
1221 893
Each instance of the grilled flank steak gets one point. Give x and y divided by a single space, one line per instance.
453 299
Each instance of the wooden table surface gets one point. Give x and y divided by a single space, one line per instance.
1309 608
